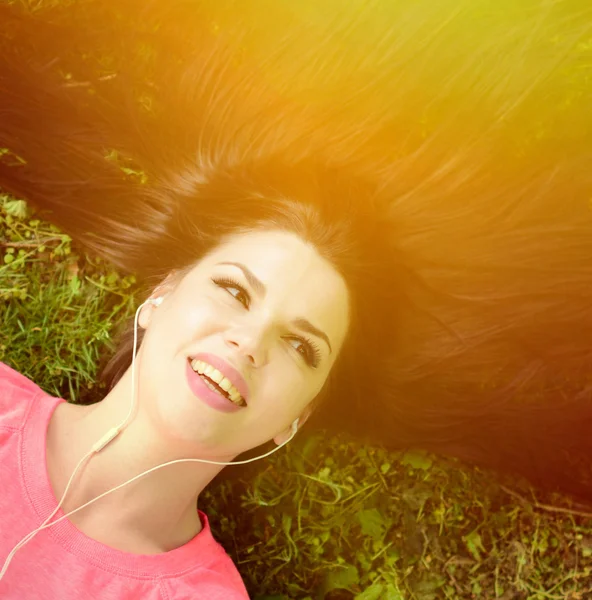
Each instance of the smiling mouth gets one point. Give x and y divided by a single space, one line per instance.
209 375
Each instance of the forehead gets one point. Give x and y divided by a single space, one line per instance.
298 279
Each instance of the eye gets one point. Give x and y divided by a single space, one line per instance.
235 289
308 349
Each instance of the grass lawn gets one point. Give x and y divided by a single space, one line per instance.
325 518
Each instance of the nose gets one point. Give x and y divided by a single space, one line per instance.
250 342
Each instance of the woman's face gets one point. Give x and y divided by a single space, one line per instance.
265 311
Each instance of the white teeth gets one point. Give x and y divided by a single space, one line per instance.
203 368
215 375
209 385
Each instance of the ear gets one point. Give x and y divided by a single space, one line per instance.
163 289
146 314
285 435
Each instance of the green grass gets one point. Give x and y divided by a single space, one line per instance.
60 309
325 518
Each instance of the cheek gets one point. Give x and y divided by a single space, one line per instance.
169 339
194 319
286 389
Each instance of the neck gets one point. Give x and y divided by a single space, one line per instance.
157 512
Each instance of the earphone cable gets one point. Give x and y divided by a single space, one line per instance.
104 440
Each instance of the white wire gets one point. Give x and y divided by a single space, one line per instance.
101 443
172 462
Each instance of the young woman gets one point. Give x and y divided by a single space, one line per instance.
239 343
472 118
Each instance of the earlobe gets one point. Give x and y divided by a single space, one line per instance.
145 315
148 309
296 425
152 303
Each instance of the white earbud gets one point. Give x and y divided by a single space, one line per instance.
155 301
295 427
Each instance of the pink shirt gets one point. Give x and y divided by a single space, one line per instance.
61 563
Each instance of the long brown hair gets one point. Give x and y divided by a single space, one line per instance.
472 119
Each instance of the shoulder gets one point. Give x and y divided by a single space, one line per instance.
17 392
211 592
219 590
214 575
217 581
219 560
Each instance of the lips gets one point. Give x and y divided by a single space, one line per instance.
211 398
227 370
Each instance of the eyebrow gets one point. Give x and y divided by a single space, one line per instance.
260 289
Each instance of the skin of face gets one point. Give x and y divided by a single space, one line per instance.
253 331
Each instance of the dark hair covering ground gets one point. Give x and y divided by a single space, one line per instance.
490 356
